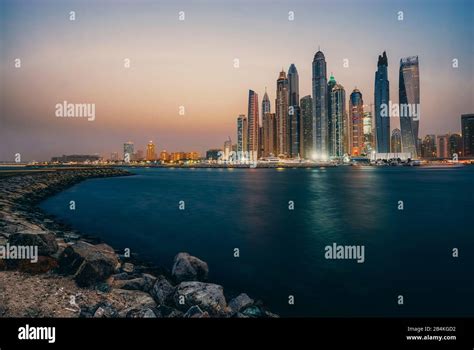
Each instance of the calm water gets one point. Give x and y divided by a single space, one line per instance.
407 252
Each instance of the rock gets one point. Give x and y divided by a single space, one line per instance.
139 313
45 241
128 267
123 276
105 311
253 311
271 315
168 312
163 291
189 268
89 264
240 302
195 312
133 298
144 283
43 265
208 296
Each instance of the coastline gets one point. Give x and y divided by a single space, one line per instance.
78 276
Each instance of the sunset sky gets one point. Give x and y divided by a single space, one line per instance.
190 63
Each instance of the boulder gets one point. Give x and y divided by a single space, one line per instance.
105 310
88 263
144 283
208 296
189 268
195 312
242 301
133 299
253 311
45 241
163 291
128 267
163 311
138 313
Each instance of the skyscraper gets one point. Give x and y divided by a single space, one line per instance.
331 84
269 135
396 141
367 122
338 121
128 150
253 124
293 112
356 126
409 99
150 151
320 118
307 147
268 127
382 97
429 147
442 146
455 145
281 106
467 126
242 133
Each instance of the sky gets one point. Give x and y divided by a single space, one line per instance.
190 63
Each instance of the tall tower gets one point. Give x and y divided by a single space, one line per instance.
382 98
253 124
128 150
331 84
320 117
294 115
356 126
338 121
409 100
150 151
281 105
268 127
307 147
242 133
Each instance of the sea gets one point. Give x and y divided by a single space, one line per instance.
267 232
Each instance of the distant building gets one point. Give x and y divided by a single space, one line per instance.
367 126
253 122
428 148
242 133
150 151
442 146
356 126
294 115
269 135
306 105
227 149
337 138
455 145
320 106
114 156
396 141
467 126
192 155
164 156
381 98
213 154
128 150
409 95
76 158
139 156
281 108
331 83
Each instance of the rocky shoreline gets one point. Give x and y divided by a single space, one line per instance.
74 276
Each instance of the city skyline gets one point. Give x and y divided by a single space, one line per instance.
132 103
